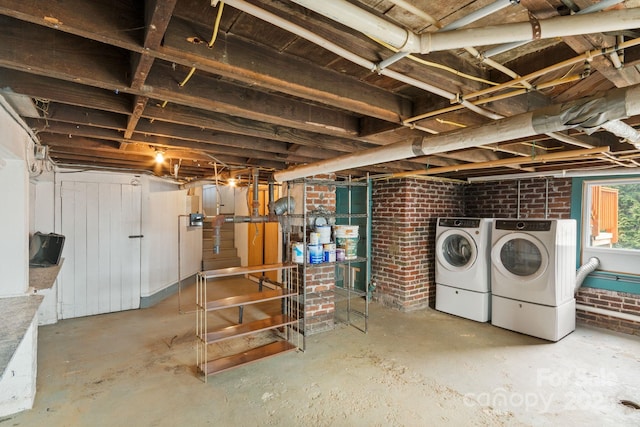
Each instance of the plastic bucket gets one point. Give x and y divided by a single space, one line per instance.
347 238
315 254
297 253
346 231
314 238
350 246
325 234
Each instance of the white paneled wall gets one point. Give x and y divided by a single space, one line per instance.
163 202
17 390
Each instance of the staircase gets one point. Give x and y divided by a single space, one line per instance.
227 256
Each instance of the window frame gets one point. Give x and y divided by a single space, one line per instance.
610 275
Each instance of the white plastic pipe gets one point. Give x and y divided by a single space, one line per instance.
604 4
610 313
357 18
479 14
561 26
354 17
550 119
332 47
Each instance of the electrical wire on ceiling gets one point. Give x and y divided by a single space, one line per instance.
214 36
350 15
434 64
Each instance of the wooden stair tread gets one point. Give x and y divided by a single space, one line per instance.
249 327
246 357
255 297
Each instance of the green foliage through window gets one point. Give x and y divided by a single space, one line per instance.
628 216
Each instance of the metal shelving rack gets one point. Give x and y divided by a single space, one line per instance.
284 325
347 293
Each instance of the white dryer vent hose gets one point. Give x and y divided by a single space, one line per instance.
584 271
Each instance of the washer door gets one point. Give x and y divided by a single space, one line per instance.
456 250
522 262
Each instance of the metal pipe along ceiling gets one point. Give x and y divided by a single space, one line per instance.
586 112
354 17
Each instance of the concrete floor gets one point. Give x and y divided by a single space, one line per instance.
421 368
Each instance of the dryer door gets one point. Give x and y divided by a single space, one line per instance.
519 267
456 250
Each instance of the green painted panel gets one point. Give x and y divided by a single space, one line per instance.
358 206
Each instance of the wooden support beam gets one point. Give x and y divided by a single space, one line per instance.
157 17
139 103
237 59
34 50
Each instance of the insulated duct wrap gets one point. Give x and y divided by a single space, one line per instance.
617 104
589 113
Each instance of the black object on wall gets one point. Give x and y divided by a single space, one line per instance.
45 250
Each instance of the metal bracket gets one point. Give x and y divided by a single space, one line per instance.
535 27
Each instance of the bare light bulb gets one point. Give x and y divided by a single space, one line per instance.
159 157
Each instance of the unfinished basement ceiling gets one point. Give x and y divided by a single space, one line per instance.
112 82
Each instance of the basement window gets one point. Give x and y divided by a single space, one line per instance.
611 224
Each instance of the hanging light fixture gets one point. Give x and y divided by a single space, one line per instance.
231 182
159 156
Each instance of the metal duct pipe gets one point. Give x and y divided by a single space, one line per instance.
271 197
354 17
252 219
587 112
217 222
284 205
584 270
255 206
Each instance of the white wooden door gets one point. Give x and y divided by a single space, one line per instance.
101 271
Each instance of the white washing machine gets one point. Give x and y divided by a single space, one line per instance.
463 267
533 276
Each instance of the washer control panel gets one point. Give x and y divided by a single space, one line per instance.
459 222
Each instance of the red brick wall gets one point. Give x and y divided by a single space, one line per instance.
620 302
499 199
403 238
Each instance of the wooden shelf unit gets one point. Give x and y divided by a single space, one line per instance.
286 323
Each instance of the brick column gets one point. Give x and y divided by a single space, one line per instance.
403 238
319 308
319 279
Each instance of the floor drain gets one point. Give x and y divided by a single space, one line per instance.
630 404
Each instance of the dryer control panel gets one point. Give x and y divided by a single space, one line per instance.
523 225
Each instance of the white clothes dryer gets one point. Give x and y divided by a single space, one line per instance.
533 276
463 267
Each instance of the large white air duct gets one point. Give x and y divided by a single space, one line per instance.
586 113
